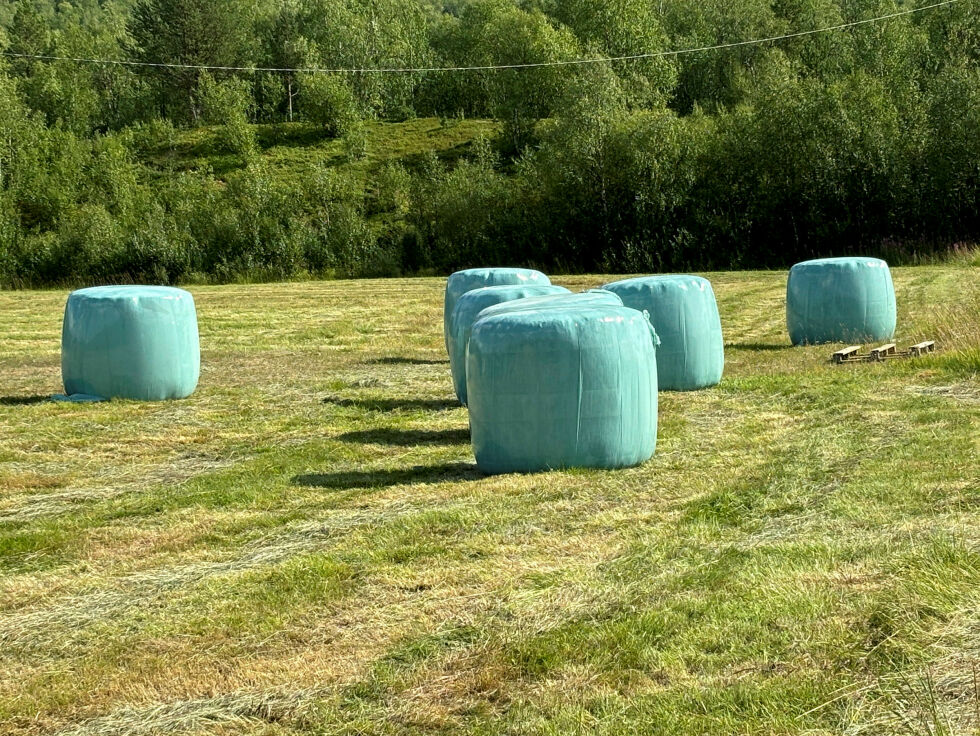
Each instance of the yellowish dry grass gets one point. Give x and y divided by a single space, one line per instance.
306 546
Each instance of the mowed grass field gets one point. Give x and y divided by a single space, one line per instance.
306 545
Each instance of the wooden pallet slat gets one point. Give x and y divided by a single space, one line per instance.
883 351
847 353
928 346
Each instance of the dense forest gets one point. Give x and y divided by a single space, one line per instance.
865 139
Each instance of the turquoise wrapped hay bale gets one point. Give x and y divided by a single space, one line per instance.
468 307
840 300
591 298
594 297
562 388
684 313
476 278
131 342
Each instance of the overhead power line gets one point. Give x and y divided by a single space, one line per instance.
488 67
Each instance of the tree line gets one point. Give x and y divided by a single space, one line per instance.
862 140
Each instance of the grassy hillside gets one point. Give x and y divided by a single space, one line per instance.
305 545
628 136
292 149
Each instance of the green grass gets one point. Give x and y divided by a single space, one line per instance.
306 545
292 150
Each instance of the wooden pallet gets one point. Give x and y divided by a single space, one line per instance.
888 351
929 346
847 355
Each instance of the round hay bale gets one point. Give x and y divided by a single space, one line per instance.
561 388
468 307
684 313
131 342
476 278
840 300
591 298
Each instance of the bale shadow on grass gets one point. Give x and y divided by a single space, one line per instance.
408 437
404 361
395 404
756 346
351 479
23 400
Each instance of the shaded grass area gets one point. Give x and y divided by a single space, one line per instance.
307 546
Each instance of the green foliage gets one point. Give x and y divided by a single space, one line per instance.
339 239
358 34
355 144
251 231
711 79
284 47
193 32
862 140
229 104
9 232
951 182
14 126
612 28
459 212
392 190
329 102
152 136
498 32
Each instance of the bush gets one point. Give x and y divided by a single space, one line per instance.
458 212
251 229
89 247
342 241
355 143
402 113
392 190
157 252
154 136
229 104
9 232
328 101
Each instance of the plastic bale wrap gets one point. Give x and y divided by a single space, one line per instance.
468 307
840 300
131 342
477 278
560 388
591 298
684 312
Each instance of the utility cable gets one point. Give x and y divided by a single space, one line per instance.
488 67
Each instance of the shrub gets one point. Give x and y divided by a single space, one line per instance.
229 104
457 212
392 190
9 232
328 101
154 136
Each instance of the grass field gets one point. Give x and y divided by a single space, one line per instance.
294 150
305 545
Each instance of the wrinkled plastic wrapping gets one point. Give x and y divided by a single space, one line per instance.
684 313
591 298
468 307
476 278
560 388
131 342
840 300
